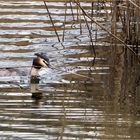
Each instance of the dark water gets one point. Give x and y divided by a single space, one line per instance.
64 105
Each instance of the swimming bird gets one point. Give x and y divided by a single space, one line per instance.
41 60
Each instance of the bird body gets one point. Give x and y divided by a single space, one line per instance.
6 72
41 60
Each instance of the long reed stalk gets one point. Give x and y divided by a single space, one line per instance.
65 18
48 12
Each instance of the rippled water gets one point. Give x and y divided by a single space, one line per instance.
64 105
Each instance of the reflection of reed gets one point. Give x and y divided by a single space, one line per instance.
122 96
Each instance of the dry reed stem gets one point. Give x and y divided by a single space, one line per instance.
90 35
51 21
72 11
65 18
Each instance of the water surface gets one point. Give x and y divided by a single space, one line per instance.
102 103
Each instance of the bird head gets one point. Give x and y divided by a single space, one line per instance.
41 60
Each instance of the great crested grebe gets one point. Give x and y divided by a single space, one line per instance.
41 60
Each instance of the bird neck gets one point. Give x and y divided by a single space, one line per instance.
34 71
34 79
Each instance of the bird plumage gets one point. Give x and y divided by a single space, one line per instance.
41 60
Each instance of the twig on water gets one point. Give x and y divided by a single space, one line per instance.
77 74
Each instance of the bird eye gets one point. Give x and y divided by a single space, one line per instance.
44 61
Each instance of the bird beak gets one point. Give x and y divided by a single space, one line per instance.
47 64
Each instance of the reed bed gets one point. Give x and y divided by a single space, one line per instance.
120 16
